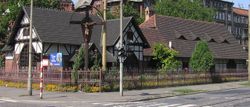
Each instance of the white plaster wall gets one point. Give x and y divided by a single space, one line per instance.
37 46
25 20
18 48
20 35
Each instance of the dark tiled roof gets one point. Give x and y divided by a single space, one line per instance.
185 33
54 26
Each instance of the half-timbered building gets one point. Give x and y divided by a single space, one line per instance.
53 33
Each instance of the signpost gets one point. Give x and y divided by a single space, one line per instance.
55 59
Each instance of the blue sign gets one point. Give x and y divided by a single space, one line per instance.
56 59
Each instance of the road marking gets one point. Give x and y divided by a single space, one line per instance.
8 100
96 103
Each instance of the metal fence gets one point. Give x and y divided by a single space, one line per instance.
133 79
53 76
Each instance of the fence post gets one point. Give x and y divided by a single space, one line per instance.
61 77
157 79
141 80
100 80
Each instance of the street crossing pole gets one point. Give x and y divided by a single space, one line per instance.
30 51
41 80
121 47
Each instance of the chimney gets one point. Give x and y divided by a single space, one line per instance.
170 44
148 13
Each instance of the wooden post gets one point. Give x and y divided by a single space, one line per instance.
104 39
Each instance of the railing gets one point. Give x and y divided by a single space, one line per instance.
155 79
133 79
51 76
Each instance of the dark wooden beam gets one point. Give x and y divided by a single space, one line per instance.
48 48
66 49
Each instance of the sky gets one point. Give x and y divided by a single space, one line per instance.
240 3
237 3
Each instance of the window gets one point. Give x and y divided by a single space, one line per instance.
26 32
130 36
229 29
229 17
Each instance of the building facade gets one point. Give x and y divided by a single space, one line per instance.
223 11
240 29
235 19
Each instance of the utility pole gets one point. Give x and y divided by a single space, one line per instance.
104 37
30 52
121 46
248 61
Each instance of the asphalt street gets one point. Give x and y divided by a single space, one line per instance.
239 97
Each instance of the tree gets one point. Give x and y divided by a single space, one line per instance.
202 58
165 57
78 63
128 11
14 7
185 9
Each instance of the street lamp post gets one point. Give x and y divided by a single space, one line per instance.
121 48
30 51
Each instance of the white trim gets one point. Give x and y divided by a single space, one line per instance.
37 47
18 48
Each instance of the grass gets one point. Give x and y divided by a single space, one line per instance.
247 84
186 91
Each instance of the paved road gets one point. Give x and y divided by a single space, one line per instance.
239 97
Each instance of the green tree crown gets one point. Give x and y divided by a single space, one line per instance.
165 57
202 58
14 7
184 9
78 63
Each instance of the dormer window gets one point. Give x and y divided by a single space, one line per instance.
26 32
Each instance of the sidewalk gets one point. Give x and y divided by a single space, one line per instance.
134 95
